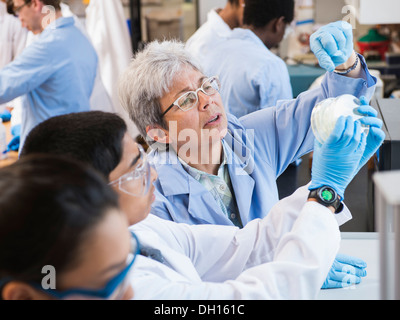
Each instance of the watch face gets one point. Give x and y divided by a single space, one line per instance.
327 194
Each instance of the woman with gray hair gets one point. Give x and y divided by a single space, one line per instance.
218 169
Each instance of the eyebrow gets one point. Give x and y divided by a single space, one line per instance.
117 266
200 82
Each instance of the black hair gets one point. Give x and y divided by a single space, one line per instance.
93 137
235 3
47 206
259 13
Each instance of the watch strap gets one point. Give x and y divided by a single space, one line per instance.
336 203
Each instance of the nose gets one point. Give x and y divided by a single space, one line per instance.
204 100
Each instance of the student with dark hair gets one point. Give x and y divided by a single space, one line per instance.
209 261
62 235
218 27
253 77
101 140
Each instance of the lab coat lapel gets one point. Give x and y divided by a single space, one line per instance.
175 181
240 166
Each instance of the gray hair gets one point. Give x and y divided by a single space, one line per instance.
148 78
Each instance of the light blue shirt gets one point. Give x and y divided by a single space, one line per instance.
252 77
54 75
263 144
219 186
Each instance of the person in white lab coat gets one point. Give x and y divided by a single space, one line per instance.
12 36
218 27
208 261
12 42
108 31
74 242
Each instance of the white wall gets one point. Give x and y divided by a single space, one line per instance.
206 5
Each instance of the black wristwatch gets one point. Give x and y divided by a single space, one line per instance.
328 197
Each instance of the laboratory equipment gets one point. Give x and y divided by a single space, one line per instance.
326 113
387 207
389 155
3 140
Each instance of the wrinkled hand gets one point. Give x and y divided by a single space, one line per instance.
336 161
345 271
332 44
375 136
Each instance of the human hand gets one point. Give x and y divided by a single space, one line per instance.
5 115
375 136
332 44
345 271
336 161
14 144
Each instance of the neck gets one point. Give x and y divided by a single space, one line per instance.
263 33
49 17
207 160
229 15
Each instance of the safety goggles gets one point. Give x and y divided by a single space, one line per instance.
113 290
189 99
136 182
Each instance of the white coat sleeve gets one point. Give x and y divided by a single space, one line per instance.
286 255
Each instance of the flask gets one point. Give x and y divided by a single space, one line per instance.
327 112
3 140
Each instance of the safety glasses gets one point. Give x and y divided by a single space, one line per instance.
113 290
136 183
16 10
189 99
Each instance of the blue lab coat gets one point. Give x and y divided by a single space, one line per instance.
264 143
54 75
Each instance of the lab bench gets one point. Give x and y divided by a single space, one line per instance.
363 245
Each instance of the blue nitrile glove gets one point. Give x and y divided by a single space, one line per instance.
16 130
5 115
332 44
345 271
14 144
375 136
337 159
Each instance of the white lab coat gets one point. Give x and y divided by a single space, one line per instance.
212 32
12 36
12 40
108 31
286 255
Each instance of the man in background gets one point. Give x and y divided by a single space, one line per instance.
219 26
251 75
55 74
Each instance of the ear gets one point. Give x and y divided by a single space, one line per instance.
37 5
158 134
15 290
279 25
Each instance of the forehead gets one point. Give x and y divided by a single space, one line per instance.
18 3
186 78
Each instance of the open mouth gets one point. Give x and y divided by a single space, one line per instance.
213 120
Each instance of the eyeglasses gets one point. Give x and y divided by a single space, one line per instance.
137 182
16 10
113 290
189 99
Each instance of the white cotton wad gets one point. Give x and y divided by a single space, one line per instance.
327 112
